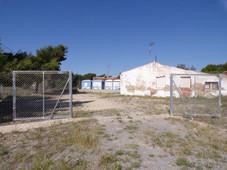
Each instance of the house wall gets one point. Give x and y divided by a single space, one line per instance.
116 84
109 84
153 79
224 85
86 84
97 84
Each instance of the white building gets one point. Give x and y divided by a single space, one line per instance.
153 79
116 84
109 84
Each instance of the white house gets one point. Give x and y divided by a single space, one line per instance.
153 79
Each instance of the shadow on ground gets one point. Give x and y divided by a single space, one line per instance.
32 106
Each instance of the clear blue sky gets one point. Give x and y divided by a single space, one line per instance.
99 33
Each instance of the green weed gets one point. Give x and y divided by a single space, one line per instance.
184 162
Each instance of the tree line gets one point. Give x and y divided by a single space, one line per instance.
51 58
46 58
210 68
215 69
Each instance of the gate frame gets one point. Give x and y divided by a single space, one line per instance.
172 83
69 81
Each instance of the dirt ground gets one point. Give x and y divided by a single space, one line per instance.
110 131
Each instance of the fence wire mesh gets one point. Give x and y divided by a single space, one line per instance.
42 94
6 98
195 94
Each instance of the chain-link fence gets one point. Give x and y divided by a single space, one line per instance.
42 94
6 98
195 94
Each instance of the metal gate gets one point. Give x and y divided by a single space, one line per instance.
195 94
42 94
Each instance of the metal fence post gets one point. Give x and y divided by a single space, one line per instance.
70 94
14 95
195 94
171 94
43 94
219 99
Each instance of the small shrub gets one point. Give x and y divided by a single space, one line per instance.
107 159
117 166
184 161
135 155
79 162
158 141
3 151
120 152
131 127
151 155
187 152
135 165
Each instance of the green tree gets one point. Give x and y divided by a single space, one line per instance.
10 62
102 75
47 58
183 66
88 76
18 61
76 79
215 69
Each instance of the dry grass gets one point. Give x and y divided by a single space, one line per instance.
201 141
51 148
119 143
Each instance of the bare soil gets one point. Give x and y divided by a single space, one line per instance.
110 131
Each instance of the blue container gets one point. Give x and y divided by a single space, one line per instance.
116 84
109 84
98 84
86 84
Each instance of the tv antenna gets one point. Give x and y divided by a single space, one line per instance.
150 45
108 70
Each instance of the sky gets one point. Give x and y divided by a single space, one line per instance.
112 36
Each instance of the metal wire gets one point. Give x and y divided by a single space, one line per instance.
41 94
27 95
195 94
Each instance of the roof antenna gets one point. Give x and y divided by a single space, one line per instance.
108 70
150 44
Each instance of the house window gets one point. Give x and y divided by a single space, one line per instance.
160 82
185 82
207 85
211 85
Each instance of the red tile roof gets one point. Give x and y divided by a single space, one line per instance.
104 78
